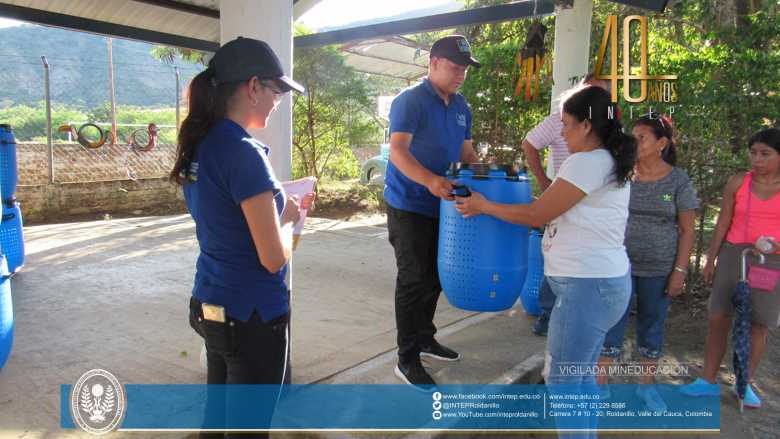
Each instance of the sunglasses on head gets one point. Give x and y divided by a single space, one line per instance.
660 119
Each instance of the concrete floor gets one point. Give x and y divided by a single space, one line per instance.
114 295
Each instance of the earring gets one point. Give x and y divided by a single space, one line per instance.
254 102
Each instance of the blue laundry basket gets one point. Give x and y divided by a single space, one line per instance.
8 172
483 260
6 313
530 293
11 236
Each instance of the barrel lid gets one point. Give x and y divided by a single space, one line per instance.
484 168
6 127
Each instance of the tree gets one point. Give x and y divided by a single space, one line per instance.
501 120
169 54
728 80
333 113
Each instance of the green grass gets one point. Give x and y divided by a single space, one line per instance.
330 190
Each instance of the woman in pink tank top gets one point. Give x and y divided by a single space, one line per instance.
749 210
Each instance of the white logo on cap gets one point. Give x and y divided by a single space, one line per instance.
464 46
100 396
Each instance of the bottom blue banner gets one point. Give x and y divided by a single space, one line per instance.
400 407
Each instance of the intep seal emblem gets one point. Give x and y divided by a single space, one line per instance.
97 402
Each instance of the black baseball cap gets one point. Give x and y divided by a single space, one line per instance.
456 49
243 58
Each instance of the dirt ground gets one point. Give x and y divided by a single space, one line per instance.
686 326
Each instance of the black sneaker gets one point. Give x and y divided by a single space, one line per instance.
541 325
414 374
439 352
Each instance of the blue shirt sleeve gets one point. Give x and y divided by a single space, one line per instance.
251 174
405 113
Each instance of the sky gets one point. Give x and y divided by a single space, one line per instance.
340 12
4 22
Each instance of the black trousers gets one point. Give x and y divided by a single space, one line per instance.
254 352
415 239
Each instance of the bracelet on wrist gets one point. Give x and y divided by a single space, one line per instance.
685 272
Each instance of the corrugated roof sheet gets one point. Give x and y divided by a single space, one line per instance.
396 57
136 14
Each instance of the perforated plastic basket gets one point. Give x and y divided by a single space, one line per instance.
530 293
483 260
8 171
12 237
6 314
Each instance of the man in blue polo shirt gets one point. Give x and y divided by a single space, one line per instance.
430 126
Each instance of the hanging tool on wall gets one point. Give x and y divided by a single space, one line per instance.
530 58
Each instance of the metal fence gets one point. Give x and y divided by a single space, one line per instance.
39 94
74 163
366 152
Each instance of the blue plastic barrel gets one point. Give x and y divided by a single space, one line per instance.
530 293
6 313
483 260
8 171
11 236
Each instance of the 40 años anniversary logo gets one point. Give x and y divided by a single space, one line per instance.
659 91
97 402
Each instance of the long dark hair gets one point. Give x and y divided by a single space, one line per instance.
661 126
768 136
207 105
595 104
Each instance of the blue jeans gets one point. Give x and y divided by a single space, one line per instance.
545 298
585 309
652 306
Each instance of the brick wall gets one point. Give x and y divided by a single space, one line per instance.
95 197
74 163
75 167
93 180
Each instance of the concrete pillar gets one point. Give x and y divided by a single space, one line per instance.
270 21
572 45
572 48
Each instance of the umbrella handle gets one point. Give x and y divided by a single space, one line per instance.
761 260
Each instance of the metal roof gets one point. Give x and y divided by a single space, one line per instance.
396 57
194 24
379 49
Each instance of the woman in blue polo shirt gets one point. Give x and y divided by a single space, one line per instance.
244 224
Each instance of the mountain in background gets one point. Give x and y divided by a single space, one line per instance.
79 73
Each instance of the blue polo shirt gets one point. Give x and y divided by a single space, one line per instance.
230 167
438 131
